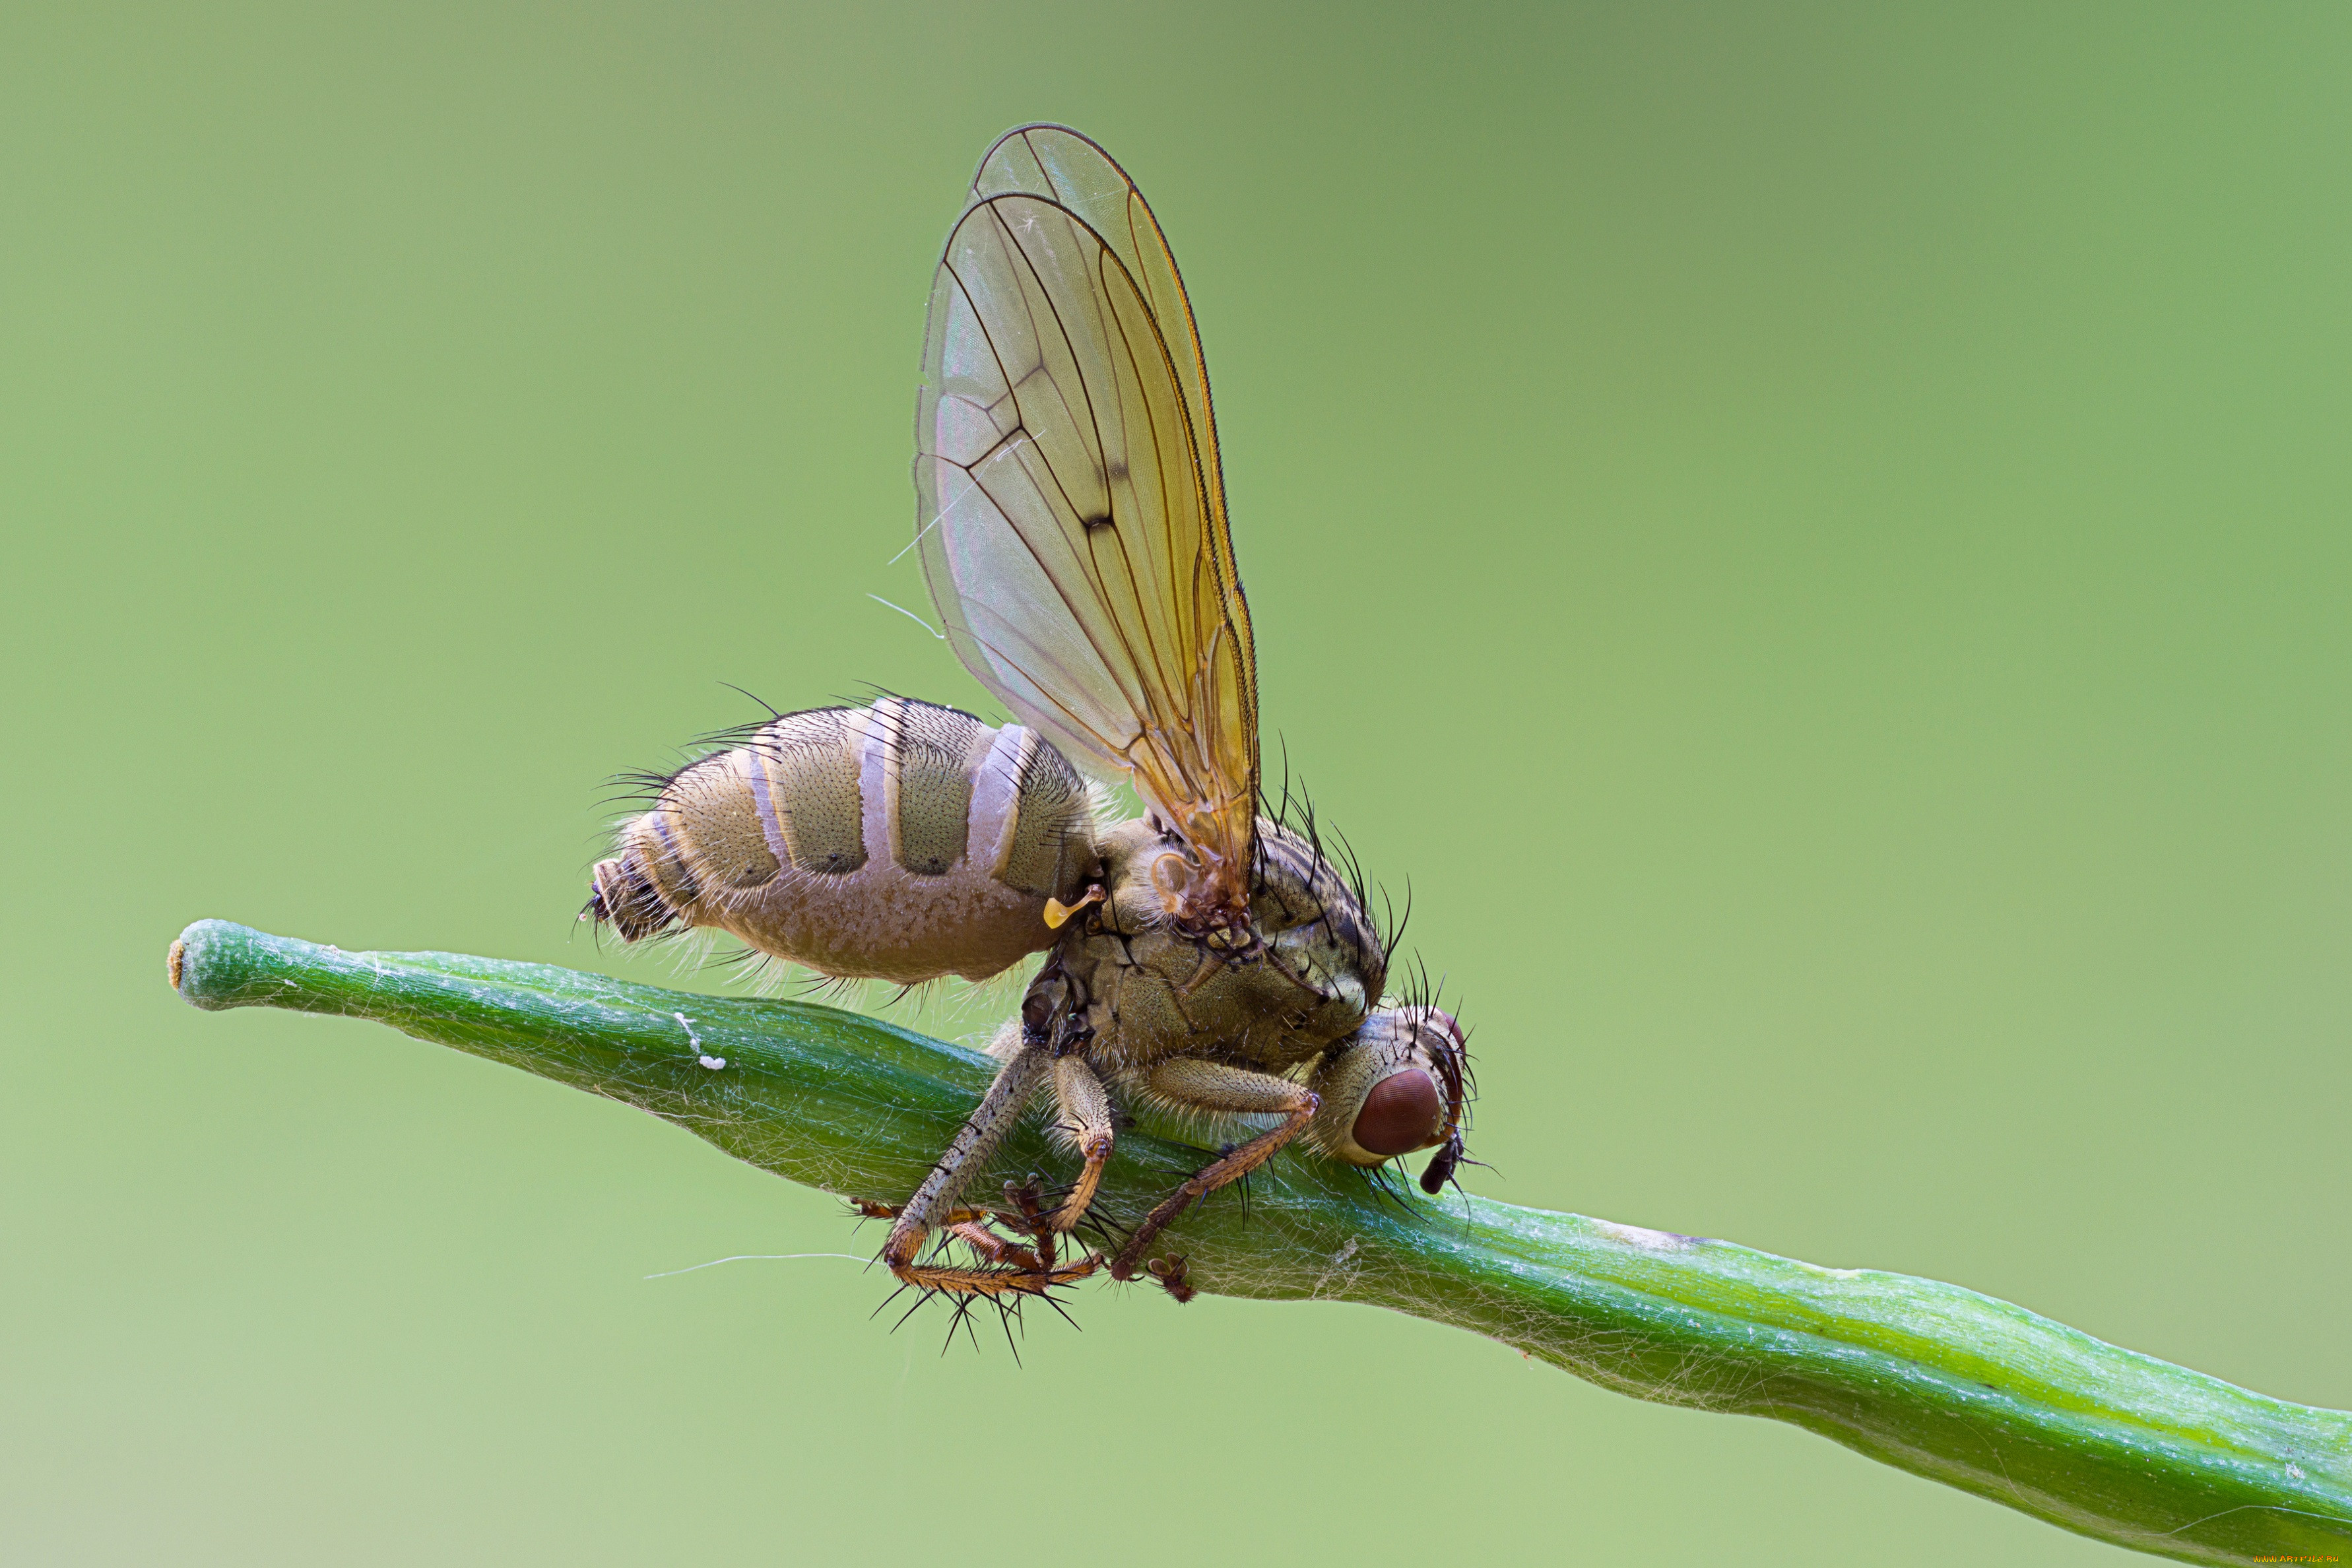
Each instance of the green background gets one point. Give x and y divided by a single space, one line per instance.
1815 536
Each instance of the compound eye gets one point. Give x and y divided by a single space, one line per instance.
1402 1114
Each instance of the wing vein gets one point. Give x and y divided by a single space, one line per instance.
1073 529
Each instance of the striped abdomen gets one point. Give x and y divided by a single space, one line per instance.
902 841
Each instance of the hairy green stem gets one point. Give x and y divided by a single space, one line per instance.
1931 1378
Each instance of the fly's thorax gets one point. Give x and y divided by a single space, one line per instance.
1309 914
901 841
1156 992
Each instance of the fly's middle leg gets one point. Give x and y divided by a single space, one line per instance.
1086 1118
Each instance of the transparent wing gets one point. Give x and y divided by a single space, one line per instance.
1072 521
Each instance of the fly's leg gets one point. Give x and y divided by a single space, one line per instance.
1087 1118
868 1209
993 1248
975 1228
1017 1272
1174 1279
1052 1037
1212 1086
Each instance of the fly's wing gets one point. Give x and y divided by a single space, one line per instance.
1072 521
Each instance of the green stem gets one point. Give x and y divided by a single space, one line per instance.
1930 1378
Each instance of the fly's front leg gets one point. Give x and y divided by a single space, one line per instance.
1212 1086
1086 1118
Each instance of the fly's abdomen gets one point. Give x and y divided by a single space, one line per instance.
902 841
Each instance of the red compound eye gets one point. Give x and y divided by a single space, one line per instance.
1400 1114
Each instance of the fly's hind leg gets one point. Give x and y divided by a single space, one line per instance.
1213 1086
976 1228
1008 1268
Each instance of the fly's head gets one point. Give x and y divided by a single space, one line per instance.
1399 1085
